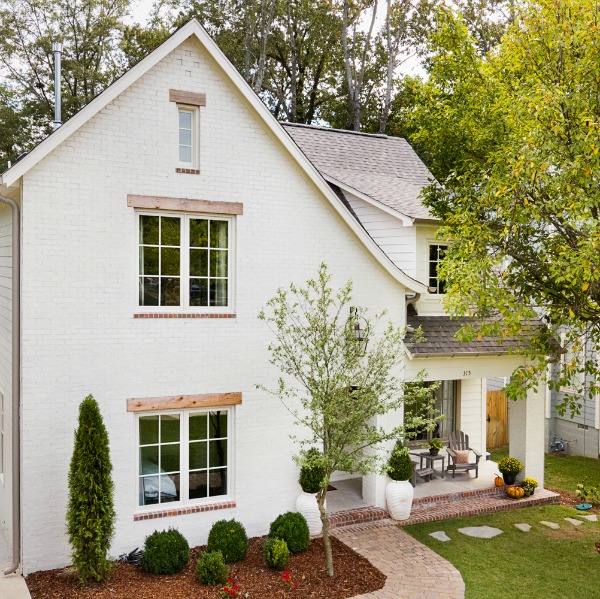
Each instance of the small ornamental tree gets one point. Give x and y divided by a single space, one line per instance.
90 513
335 387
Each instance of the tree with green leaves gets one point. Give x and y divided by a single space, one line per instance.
90 512
517 153
334 386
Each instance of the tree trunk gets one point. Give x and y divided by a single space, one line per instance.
266 21
321 495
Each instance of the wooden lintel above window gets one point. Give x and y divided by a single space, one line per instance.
184 204
190 98
177 402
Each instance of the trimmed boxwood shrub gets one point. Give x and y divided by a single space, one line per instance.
293 529
229 537
311 475
400 466
165 552
211 569
276 553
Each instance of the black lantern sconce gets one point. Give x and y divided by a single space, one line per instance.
360 330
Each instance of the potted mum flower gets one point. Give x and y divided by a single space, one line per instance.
509 467
529 485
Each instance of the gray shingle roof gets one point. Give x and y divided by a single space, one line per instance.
384 168
439 331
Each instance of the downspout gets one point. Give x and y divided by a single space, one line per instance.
410 302
16 384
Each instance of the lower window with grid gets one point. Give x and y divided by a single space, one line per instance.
184 456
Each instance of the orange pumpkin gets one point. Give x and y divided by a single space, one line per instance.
515 491
499 481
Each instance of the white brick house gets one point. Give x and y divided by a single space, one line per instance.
154 226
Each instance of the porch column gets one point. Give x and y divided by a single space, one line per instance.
526 433
373 486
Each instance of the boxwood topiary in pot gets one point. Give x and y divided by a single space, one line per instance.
311 479
399 492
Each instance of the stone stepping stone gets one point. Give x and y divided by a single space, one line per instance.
574 522
590 517
440 535
552 525
523 526
481 532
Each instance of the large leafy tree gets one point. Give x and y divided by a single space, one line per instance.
336 388
516 146
90 31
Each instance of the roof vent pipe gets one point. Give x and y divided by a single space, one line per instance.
57 49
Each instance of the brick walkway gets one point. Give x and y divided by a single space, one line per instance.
413 570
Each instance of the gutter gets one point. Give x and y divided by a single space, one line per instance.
16 384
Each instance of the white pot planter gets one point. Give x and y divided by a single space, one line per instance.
399 496
307 505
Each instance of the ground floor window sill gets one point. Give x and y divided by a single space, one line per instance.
182 315
181 511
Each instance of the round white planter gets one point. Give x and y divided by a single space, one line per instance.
399 496
307 505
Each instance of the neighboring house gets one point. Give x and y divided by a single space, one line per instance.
155 224
580 434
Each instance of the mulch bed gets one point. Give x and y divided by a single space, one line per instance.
571 500
354 575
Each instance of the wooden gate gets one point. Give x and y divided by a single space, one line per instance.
497 419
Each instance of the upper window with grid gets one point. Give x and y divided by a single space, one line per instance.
436 255
185 261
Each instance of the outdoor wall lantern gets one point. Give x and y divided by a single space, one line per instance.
360 330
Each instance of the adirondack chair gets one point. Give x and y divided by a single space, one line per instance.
458 441
424 473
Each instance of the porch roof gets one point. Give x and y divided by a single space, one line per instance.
439 338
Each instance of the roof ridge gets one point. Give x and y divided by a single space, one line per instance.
347 131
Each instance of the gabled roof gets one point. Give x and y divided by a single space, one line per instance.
194 29
439 338
385 169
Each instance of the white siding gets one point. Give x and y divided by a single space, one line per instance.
80 291
396 240
6 365
472 411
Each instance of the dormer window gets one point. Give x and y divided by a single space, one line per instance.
436 255
188 129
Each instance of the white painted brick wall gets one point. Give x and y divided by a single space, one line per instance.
80 291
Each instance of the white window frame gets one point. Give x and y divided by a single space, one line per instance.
195 142
184 459
430 244
184 266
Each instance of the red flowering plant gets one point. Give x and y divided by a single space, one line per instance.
230 589
287 580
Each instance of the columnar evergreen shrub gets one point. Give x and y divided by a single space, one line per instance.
312 474
90 512
211 569
293 529
400 466
165 552
276 553
229 537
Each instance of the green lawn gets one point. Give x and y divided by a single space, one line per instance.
564 472
561 564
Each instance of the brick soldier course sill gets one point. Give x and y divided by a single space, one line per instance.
181 315
188 171
181 511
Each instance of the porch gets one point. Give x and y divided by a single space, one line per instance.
438 499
